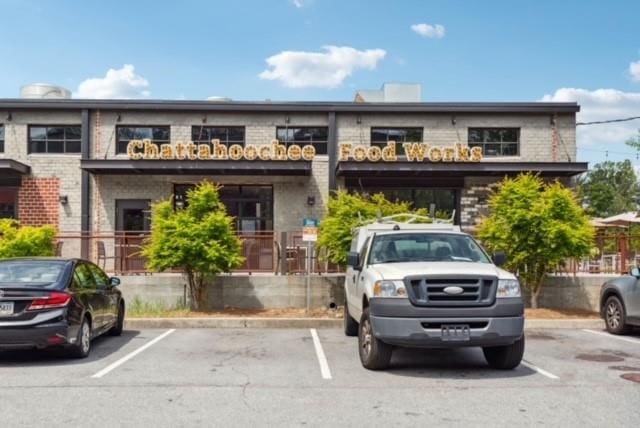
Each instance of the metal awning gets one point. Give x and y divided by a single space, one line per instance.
13 168
182 167
401 169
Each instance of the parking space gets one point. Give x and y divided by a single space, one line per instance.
304 377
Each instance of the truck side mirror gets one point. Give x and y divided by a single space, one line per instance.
499 258
353 259
635 272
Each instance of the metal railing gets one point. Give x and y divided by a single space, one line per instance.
264 252
615 252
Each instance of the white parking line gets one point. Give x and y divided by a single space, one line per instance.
127 357
539 370
322 359
613 336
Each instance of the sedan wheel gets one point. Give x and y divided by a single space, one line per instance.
82 347
615 317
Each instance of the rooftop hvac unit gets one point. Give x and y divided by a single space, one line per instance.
44 91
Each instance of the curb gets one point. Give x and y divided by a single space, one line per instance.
233 322
244 322
578 323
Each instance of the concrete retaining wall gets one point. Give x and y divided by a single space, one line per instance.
568 291
269 291
239 291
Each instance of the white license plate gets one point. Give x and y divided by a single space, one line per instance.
6 308
456 332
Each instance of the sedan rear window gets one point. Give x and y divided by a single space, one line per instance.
32 273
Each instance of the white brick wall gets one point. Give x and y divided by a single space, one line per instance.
290 193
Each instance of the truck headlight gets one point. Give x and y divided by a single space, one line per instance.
508 288
389 289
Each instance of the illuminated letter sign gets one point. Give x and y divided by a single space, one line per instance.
414 152
148 150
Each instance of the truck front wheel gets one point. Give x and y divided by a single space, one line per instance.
374 354
505 357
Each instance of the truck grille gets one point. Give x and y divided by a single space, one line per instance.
430 290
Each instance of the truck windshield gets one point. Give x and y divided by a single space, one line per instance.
426 247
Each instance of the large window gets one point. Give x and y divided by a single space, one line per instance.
1 138
381 136
316 136
227 135
496 141
54 139
252 206
157 134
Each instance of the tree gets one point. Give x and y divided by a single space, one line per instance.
610 188
346 211
538 225
199 240
25 241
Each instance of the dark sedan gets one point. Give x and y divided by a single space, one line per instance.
57 302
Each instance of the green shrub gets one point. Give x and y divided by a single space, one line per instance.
346 211
25 241
199 240
538 225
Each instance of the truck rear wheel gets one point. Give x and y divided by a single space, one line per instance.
350 325
505 357
374 353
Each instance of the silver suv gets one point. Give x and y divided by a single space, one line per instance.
620 303
430 286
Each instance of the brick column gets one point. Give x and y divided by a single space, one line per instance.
38 201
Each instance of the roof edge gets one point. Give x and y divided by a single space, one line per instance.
292 106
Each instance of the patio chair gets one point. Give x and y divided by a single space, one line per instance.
102 255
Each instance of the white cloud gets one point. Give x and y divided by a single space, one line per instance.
427 30
602 104
328 69
634 71
123 83
299 3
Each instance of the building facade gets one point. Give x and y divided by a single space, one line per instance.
72 163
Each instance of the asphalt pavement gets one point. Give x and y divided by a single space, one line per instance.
307 377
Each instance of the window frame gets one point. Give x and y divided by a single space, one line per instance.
46 140
501 143
76 278
288 143
95 272
156 142
3 135
226 143
399 147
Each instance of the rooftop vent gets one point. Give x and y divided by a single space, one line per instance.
217 99
391 93
44 91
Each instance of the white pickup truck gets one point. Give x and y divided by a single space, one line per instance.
429 286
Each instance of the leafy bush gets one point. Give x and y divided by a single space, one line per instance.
346 211
25 241
199 240
538 225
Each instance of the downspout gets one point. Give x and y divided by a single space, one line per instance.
332 150
85 150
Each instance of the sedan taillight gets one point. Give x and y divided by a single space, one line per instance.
54 300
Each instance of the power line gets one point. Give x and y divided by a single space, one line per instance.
600 122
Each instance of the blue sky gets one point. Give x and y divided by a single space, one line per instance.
483 51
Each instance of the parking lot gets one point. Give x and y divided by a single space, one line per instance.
298 377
